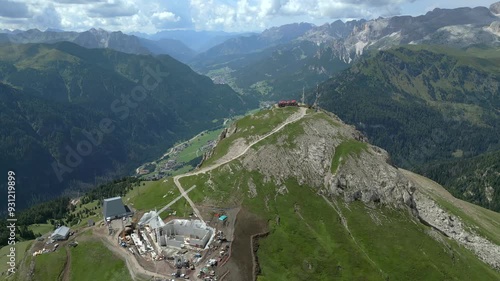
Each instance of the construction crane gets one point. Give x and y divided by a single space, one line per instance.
154 217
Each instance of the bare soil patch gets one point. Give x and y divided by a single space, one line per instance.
67 266
241 264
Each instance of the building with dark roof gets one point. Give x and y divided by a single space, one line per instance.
113 208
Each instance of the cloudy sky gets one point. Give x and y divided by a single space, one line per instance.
228 15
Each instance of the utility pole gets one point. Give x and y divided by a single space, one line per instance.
315 105
303 94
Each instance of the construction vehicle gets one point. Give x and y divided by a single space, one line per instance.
283 103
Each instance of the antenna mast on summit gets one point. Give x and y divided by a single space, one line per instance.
303 94
315 105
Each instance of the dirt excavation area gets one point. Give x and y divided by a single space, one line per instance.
241 265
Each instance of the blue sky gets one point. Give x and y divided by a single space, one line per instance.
228 15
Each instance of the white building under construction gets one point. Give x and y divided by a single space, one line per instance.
178 233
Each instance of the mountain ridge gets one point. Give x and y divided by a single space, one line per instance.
100 38
97 85
323 202
281 69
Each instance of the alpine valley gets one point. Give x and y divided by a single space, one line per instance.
354 150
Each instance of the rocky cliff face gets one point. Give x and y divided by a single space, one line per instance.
323 152
370 179
363 174
495 8
460 27
453 227
350 39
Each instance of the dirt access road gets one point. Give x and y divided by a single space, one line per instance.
293 118
137 272
135 269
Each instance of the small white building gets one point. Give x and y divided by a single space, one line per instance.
62 233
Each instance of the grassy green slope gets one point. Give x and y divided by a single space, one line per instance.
49 266
346 148
21 248
251 126
84 266
155 195
311 243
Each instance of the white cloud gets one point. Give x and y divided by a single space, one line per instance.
48 17
228 15
78 1
113 8
166 16
253 14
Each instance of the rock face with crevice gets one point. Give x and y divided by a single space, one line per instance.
369 178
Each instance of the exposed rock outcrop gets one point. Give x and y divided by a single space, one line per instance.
366 176
494 28
227 132
363 175
453 227
370 179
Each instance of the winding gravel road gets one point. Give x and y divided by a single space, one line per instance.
293 118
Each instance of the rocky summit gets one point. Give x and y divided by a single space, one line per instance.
315 155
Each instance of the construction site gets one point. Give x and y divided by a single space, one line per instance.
176 248
190 247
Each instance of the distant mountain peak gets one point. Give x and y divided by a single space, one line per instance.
53 30
288 31
495 8
33 30
97 30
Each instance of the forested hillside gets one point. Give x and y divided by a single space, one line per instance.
476 179
422 104
277 72
114 110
